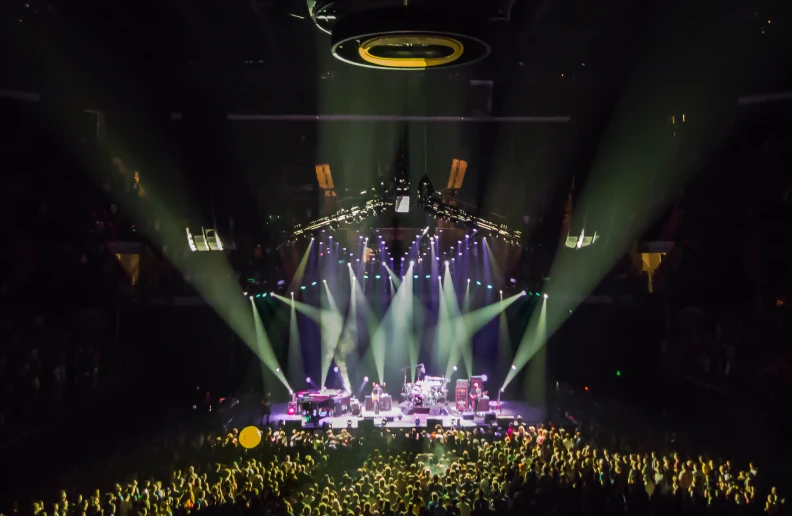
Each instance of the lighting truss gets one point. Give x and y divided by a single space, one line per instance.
354 214
427 199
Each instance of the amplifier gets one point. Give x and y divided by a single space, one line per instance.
462 395
386 403
340 408
368 405
483 404
354 407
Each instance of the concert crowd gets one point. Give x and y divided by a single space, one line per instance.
424 472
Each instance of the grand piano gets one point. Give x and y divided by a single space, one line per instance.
324 403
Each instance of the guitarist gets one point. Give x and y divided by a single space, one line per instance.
475 395
376 393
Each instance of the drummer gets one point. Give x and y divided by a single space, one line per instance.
420 374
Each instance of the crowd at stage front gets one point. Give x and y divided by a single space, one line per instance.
425 472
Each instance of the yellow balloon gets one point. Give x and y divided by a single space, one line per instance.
250 437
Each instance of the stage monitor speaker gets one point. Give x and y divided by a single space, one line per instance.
438 411
366 425
289 425
386 402
505 421
467 416
432 422
489 418
369 404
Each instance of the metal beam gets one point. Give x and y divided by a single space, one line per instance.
400 118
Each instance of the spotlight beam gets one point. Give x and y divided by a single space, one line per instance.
295 362
394 277
331 323
533 339
263 348
299 274
396 321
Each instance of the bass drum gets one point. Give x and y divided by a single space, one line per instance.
417 400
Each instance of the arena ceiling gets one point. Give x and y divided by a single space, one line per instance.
154 59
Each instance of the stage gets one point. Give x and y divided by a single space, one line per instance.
508 410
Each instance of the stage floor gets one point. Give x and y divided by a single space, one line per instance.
530 415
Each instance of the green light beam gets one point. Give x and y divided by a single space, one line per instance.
331 323
263 348
299 274
533 339
393 276
295 361
393 324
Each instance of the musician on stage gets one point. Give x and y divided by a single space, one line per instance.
376 394
420 374
475 396
266 408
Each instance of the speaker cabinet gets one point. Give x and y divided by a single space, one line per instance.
366 425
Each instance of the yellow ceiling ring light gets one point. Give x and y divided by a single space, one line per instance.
406 41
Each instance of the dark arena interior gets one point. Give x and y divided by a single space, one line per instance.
395 257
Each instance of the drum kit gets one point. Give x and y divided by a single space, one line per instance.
431 391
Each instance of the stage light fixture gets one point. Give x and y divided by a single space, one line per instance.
349 423
292 294
446 262
523 292
365 378
412 262
417 422
308 379
478 283
455 368
377 276
416 276
335 369
324 281
302 287
428 276
514 367
484 377
546 296
489 287
277 369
